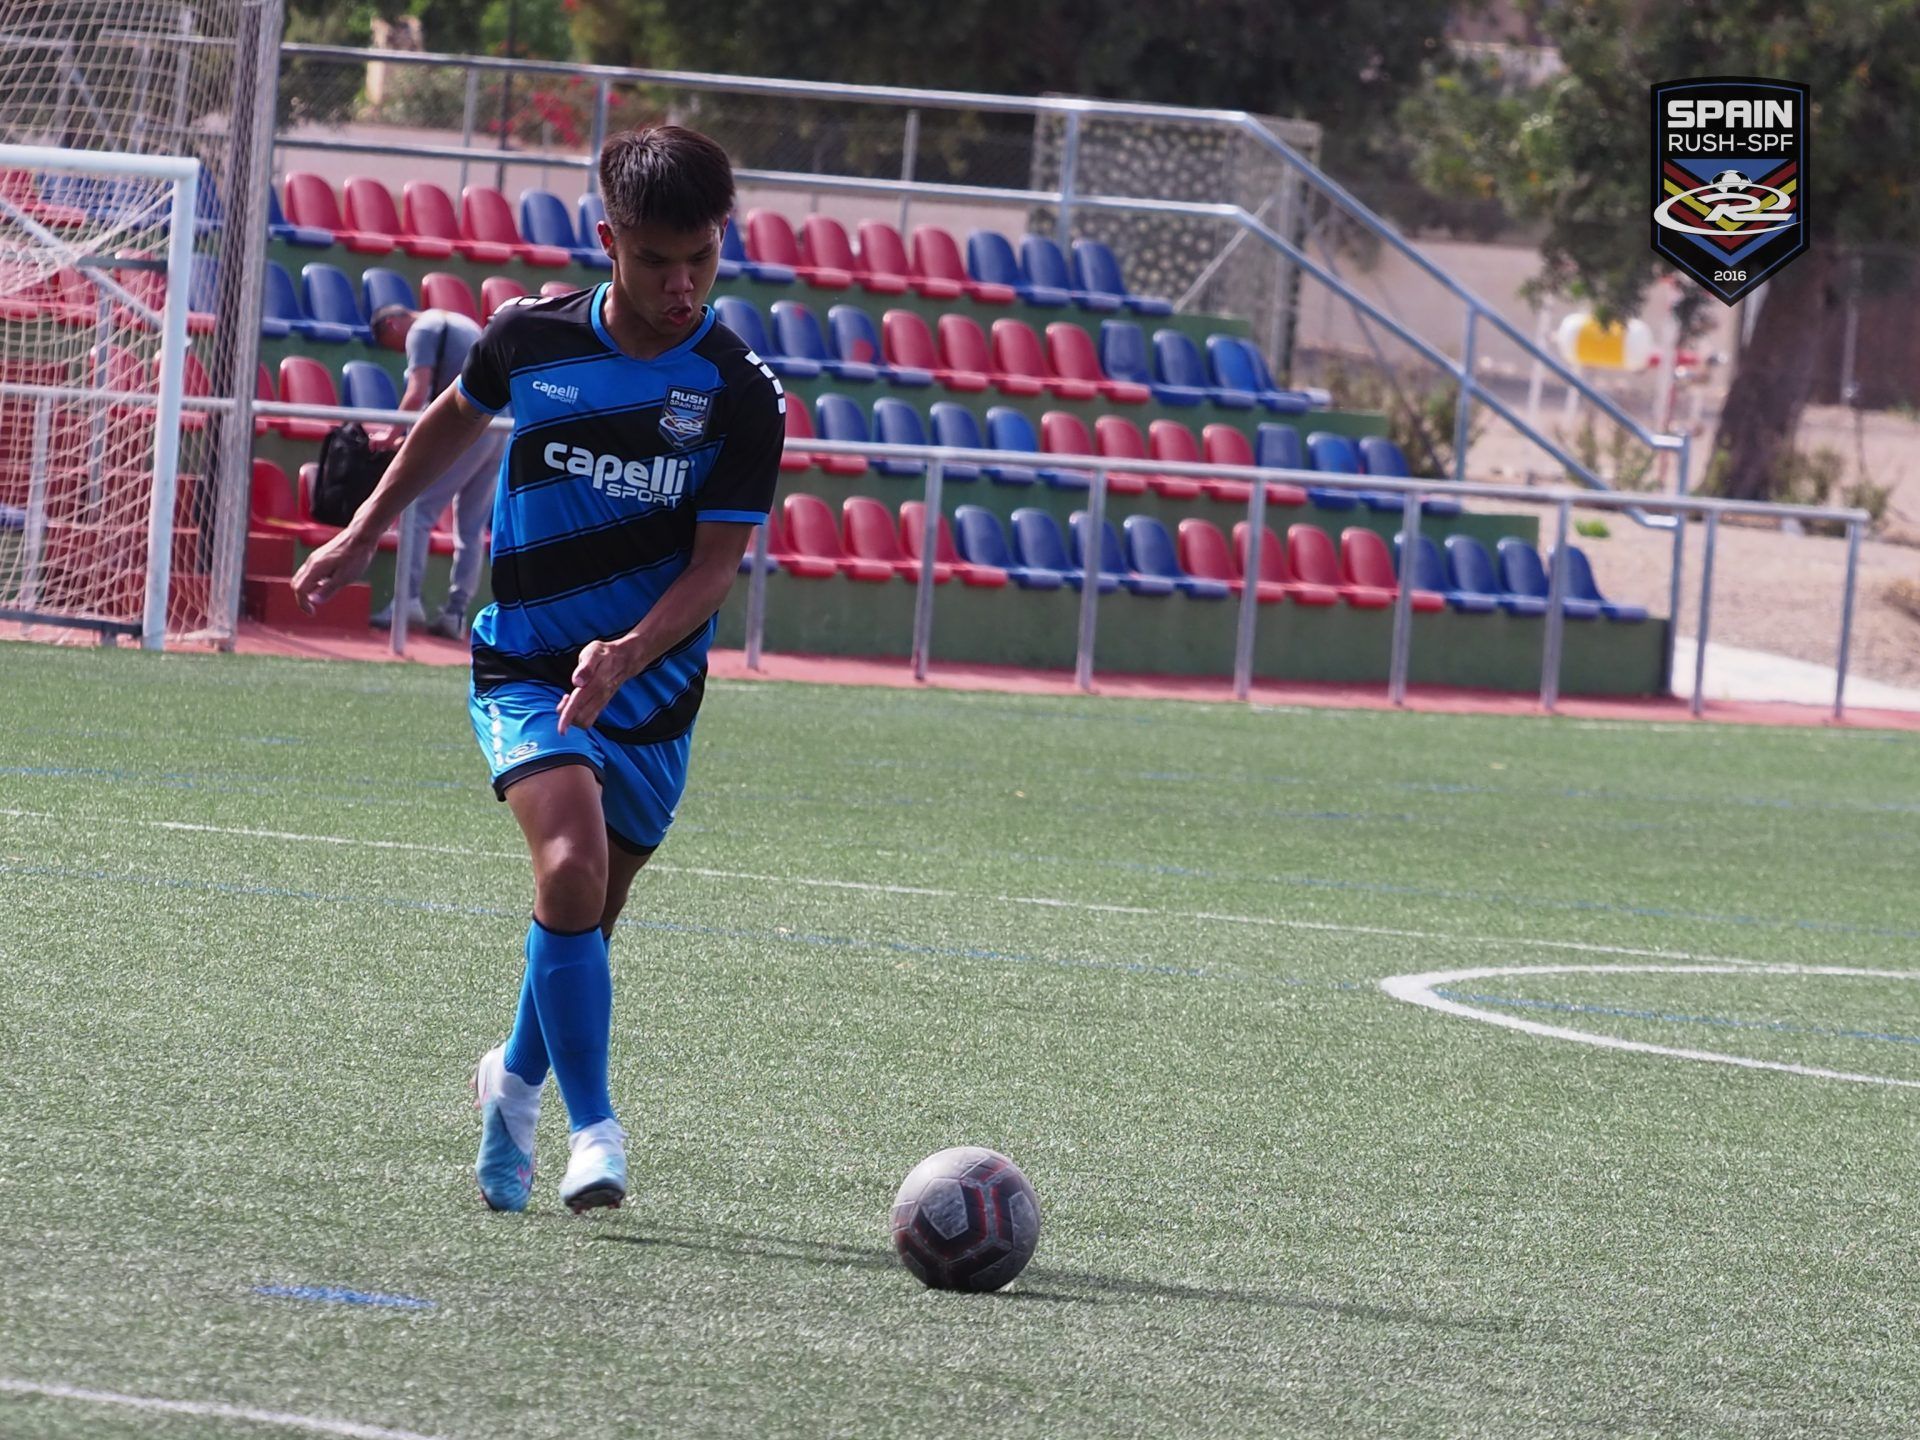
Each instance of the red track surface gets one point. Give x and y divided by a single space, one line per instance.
841 670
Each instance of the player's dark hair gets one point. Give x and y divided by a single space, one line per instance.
666 175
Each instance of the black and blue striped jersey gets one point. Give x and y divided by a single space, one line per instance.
611 464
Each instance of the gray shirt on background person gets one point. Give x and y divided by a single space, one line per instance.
439 341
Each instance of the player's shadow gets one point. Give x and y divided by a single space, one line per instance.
1042 1284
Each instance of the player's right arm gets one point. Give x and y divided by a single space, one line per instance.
450 425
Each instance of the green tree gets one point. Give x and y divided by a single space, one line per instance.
1574 155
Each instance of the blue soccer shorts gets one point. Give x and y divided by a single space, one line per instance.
518 727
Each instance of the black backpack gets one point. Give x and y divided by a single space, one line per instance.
349 469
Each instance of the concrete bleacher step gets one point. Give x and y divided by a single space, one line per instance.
269 599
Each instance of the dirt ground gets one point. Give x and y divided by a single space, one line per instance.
1772 591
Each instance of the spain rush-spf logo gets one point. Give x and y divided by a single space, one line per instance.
1730 178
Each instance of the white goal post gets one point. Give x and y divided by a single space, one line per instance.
78 297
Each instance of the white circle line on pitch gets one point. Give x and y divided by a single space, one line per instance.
1420 990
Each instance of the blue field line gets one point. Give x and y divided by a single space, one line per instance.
776 935
1724 1022
335 1295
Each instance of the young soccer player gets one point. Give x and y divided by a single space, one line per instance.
646 443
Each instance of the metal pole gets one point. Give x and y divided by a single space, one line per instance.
1556 611
597 136
1673 595
1463 412
506 98
1249 592
1706 615
182 74
166 445
1401 652
468 107
923 590
1849 385
1538 378
36 528
1846 621
757 595
909 156
1069 166
1090 579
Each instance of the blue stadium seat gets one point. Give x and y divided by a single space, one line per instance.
1430 573
280 302
1337 455
954 428
1581 586
836 417
1237 364
1471 570
733 253
797 333
330 299
1123 355
1045 267
1039 545
1150 551
380 286
1113 561
544 221
1278 446
1521 573
990 258
1382 457
364 385
279 229
1177 359
978 537
897 423
743 319
851 331
1096 271
1008 429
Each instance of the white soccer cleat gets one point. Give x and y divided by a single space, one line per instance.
597 1170
509 1113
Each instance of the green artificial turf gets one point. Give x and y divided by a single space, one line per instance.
259 917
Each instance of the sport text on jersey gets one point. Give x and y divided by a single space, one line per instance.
1730 178
659 480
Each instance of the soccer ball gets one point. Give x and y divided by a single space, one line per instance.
966 1219
1730 180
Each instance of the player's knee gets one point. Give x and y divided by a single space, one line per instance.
571 886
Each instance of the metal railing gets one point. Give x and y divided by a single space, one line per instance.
1560 499
1065 200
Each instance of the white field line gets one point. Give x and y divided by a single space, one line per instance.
211 1410
1419 990
1040 901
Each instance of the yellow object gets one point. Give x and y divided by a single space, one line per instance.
1583 340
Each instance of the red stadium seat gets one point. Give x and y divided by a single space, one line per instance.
913 525
442 291
824 246
273 501
782 553
487 219
1070 349
770 240
963 346
1275 570
1170 440
812 536
1225 445
305 381
496 290
937 256
883 253
1016 351
1062 433
370 209
799 427
263 389
870 535
427 210
310 202
1119 438
1369 568
1311 559
909 345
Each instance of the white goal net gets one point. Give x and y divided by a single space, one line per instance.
134 146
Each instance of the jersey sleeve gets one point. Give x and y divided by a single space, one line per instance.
485 378
740 486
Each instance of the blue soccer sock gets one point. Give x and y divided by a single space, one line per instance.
526 1053
572 989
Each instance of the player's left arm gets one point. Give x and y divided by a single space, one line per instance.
687 604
